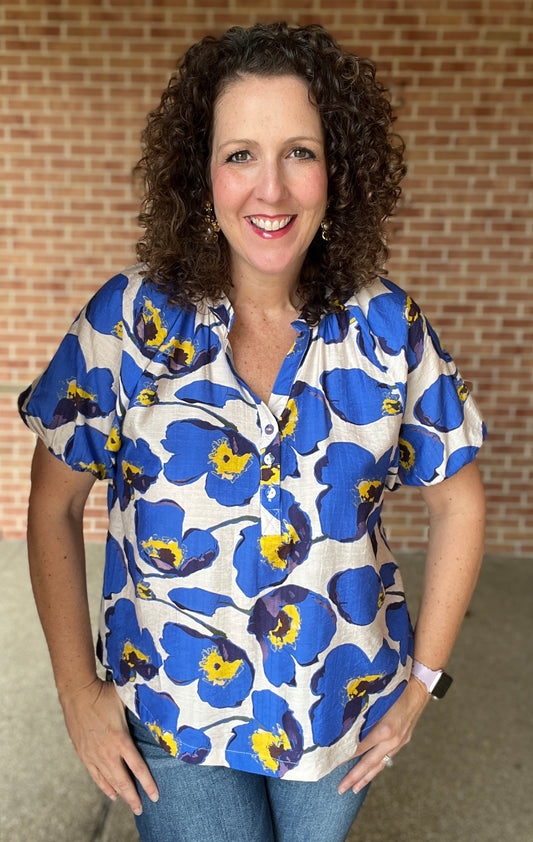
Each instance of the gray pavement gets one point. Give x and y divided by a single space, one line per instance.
467 776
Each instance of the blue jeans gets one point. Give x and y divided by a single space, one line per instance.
217 804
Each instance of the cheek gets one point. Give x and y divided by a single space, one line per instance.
228 191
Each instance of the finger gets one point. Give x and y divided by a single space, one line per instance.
139 769
102 783
365 771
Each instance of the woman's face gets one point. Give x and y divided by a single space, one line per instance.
268 175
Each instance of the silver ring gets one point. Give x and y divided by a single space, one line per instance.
387 761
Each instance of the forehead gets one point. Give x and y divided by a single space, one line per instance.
265 101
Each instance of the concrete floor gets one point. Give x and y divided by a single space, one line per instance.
467 776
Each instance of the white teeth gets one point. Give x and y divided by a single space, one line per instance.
270 224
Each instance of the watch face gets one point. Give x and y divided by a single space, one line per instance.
442 686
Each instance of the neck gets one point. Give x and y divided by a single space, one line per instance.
270 293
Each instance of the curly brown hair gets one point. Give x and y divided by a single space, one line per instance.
364 163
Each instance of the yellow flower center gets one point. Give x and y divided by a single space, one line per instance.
289 419
146 397
164 738
368 490
275 549
183 348
95 468
407 454
462 392
359 686
227 464
269 747
131 655
155 333
287 629
392 406
216 669
118 330
74 391
113 440
167 551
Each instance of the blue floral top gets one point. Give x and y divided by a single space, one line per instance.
253 615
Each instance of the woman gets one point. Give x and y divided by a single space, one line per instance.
250 389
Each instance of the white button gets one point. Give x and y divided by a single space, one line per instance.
271 493
268 460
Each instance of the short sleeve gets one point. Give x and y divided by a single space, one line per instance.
442 428
72 406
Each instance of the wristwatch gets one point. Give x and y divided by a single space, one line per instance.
437 682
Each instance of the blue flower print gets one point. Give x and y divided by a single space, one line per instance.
345 684
104 310
143 589
160 715
400 629
87 450
162 544
199 601
350 505
182 354
115 572
130 651
358 594
187 353
420 454
305 421
359 399
230 462
380 708
223 671
207 392
68 389
442 405
291 624
150 326
459 458
334 327
261 560
138 468
398 323
271 743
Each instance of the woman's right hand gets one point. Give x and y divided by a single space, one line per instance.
97 725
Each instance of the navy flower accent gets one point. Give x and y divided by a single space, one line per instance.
358 594
68 389
420 454
265 560
441 406
131 652
138 469
350 505
160 714
230 462
360 399
223 670
162 544
271 743
291 624
345 684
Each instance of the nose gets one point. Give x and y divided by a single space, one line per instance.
271 185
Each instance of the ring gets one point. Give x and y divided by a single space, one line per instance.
387 761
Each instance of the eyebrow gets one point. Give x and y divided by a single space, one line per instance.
244 141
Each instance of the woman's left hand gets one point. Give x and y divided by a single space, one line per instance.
387 737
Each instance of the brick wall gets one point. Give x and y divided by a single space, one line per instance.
78 77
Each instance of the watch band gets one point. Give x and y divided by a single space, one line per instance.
437 682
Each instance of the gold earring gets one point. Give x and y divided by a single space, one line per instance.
211 221
325 226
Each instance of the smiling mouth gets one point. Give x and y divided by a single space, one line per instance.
270 224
